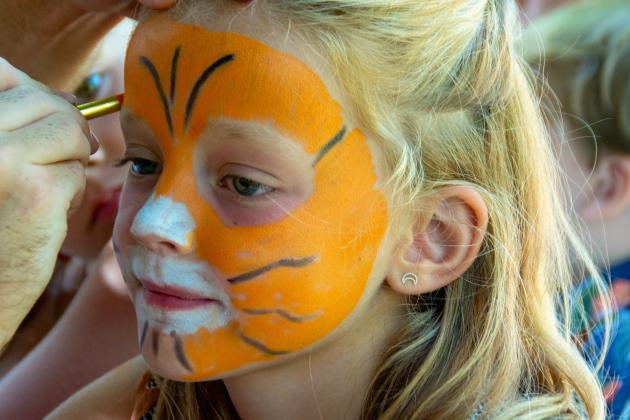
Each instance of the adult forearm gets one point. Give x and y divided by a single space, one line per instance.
21 285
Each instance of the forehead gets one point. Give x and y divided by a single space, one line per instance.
192 75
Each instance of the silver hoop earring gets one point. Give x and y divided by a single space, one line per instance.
407 277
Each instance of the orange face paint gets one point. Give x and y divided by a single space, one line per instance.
286 278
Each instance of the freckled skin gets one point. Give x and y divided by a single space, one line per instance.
320 253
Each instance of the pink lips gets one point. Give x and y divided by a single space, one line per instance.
108 208
173 298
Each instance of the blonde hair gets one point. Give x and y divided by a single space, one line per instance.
438 86
586 52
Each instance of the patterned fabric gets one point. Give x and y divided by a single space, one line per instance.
479 413
147 395
615 375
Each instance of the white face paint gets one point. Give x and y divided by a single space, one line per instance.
164 219
160 225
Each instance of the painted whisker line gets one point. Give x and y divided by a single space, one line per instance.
144 333
199 84
260 346
330 145
287 262
179 351
284 314
158 84
174 73
155 342
116 247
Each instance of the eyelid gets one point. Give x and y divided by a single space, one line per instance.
249 172
138 134
134 150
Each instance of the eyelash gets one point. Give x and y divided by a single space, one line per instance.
230 182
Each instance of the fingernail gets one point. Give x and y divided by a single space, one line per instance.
94 143
67 96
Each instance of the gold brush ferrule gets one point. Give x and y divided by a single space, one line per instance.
101 107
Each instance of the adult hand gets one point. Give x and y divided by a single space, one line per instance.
45 145
53 40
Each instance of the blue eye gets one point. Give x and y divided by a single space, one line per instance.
90 87
144 167
244 186
140 166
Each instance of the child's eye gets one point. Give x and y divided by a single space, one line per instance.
90 87
141 166
244 186
144 167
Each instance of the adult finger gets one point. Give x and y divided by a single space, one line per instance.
9 75
55 138
27 103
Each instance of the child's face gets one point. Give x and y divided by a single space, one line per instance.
251 218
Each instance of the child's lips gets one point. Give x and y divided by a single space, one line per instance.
107 208
173 298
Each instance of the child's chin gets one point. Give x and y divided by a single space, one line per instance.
166 368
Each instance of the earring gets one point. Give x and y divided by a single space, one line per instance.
407 277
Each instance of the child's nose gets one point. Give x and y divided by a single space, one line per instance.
164 226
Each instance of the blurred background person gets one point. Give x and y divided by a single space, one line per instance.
583 50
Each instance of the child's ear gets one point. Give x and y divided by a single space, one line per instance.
440 245
611 189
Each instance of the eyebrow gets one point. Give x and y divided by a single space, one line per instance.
127 117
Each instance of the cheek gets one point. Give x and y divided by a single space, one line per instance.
134 194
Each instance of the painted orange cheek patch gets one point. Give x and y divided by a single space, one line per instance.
303 275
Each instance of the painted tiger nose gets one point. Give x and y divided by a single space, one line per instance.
164 226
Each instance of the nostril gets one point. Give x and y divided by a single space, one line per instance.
162 245
164 226
169 246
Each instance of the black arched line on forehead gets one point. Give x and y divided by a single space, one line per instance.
286 262
158 84
260 346
330 145
174 73
194 93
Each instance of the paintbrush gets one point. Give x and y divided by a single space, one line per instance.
101 107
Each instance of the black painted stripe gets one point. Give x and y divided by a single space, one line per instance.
287 262
260 346
330 145
158 84
284 314
179 351
174 73
144 333
199 84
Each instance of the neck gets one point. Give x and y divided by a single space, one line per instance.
331 381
